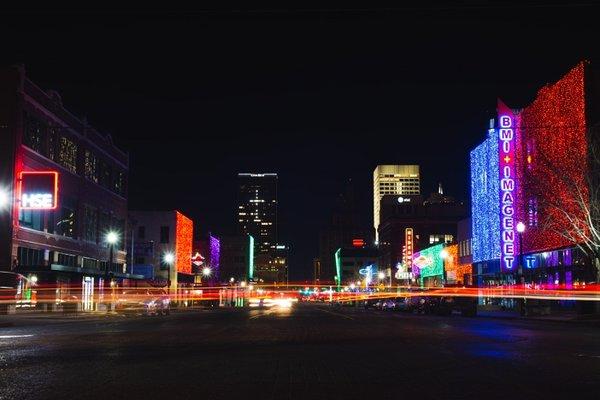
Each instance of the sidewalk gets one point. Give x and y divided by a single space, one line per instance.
566 316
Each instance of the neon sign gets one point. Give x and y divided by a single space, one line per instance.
506 150
38 190
408 246
198 259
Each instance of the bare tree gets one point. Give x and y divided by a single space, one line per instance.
574 218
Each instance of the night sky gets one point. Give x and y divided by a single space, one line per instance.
318 96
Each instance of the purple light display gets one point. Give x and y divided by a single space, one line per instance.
214 245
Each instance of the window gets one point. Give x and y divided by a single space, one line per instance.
30 257
90 223
67 260
90 166
90 263
164 234
141 232
52 134
33 219
105 174
35 134
119 183
65 218
67 154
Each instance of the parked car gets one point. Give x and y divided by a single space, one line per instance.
401 304
388 305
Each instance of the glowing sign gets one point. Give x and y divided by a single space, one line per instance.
358 242
422 261
38 190
428 262
197 259
408 246
403 199
506 150
367 272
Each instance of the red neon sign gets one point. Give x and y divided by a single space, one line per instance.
38 190
358 242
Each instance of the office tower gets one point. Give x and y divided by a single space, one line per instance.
400 180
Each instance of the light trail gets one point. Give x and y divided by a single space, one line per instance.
119 297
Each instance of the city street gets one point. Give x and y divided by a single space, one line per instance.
312 351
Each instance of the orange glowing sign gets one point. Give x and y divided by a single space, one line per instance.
184 229
408 246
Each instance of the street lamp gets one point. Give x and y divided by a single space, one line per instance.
444 254
169 259
4 198
206 271
111 238
520 230
381 276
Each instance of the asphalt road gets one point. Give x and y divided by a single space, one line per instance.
308 352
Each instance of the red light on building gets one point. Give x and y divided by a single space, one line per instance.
183 243
38 190
358 242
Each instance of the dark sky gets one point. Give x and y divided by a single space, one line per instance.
317 96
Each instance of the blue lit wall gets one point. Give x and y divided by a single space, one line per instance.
485 199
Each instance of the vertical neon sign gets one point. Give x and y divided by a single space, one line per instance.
506 150
408 245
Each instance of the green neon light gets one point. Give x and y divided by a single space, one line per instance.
251 258
338 267
435 262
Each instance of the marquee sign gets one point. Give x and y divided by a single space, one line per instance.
38 190
408 246
506 150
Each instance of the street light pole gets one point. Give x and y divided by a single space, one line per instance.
520 230
111 238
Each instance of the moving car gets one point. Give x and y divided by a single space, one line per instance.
147 301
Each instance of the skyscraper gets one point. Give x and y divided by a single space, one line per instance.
400 180
257 213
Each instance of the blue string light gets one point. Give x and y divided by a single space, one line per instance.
485 200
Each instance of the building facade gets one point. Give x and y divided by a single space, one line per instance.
237 258
532 171
257 217
158 234
356 264
393 180
206 259
411 223
62 242
345 228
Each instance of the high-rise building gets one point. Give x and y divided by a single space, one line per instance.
257 214
399 180
345 229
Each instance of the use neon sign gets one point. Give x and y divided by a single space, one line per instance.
506 149
38 190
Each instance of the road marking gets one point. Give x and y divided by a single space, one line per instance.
14 336
268 312
334 313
